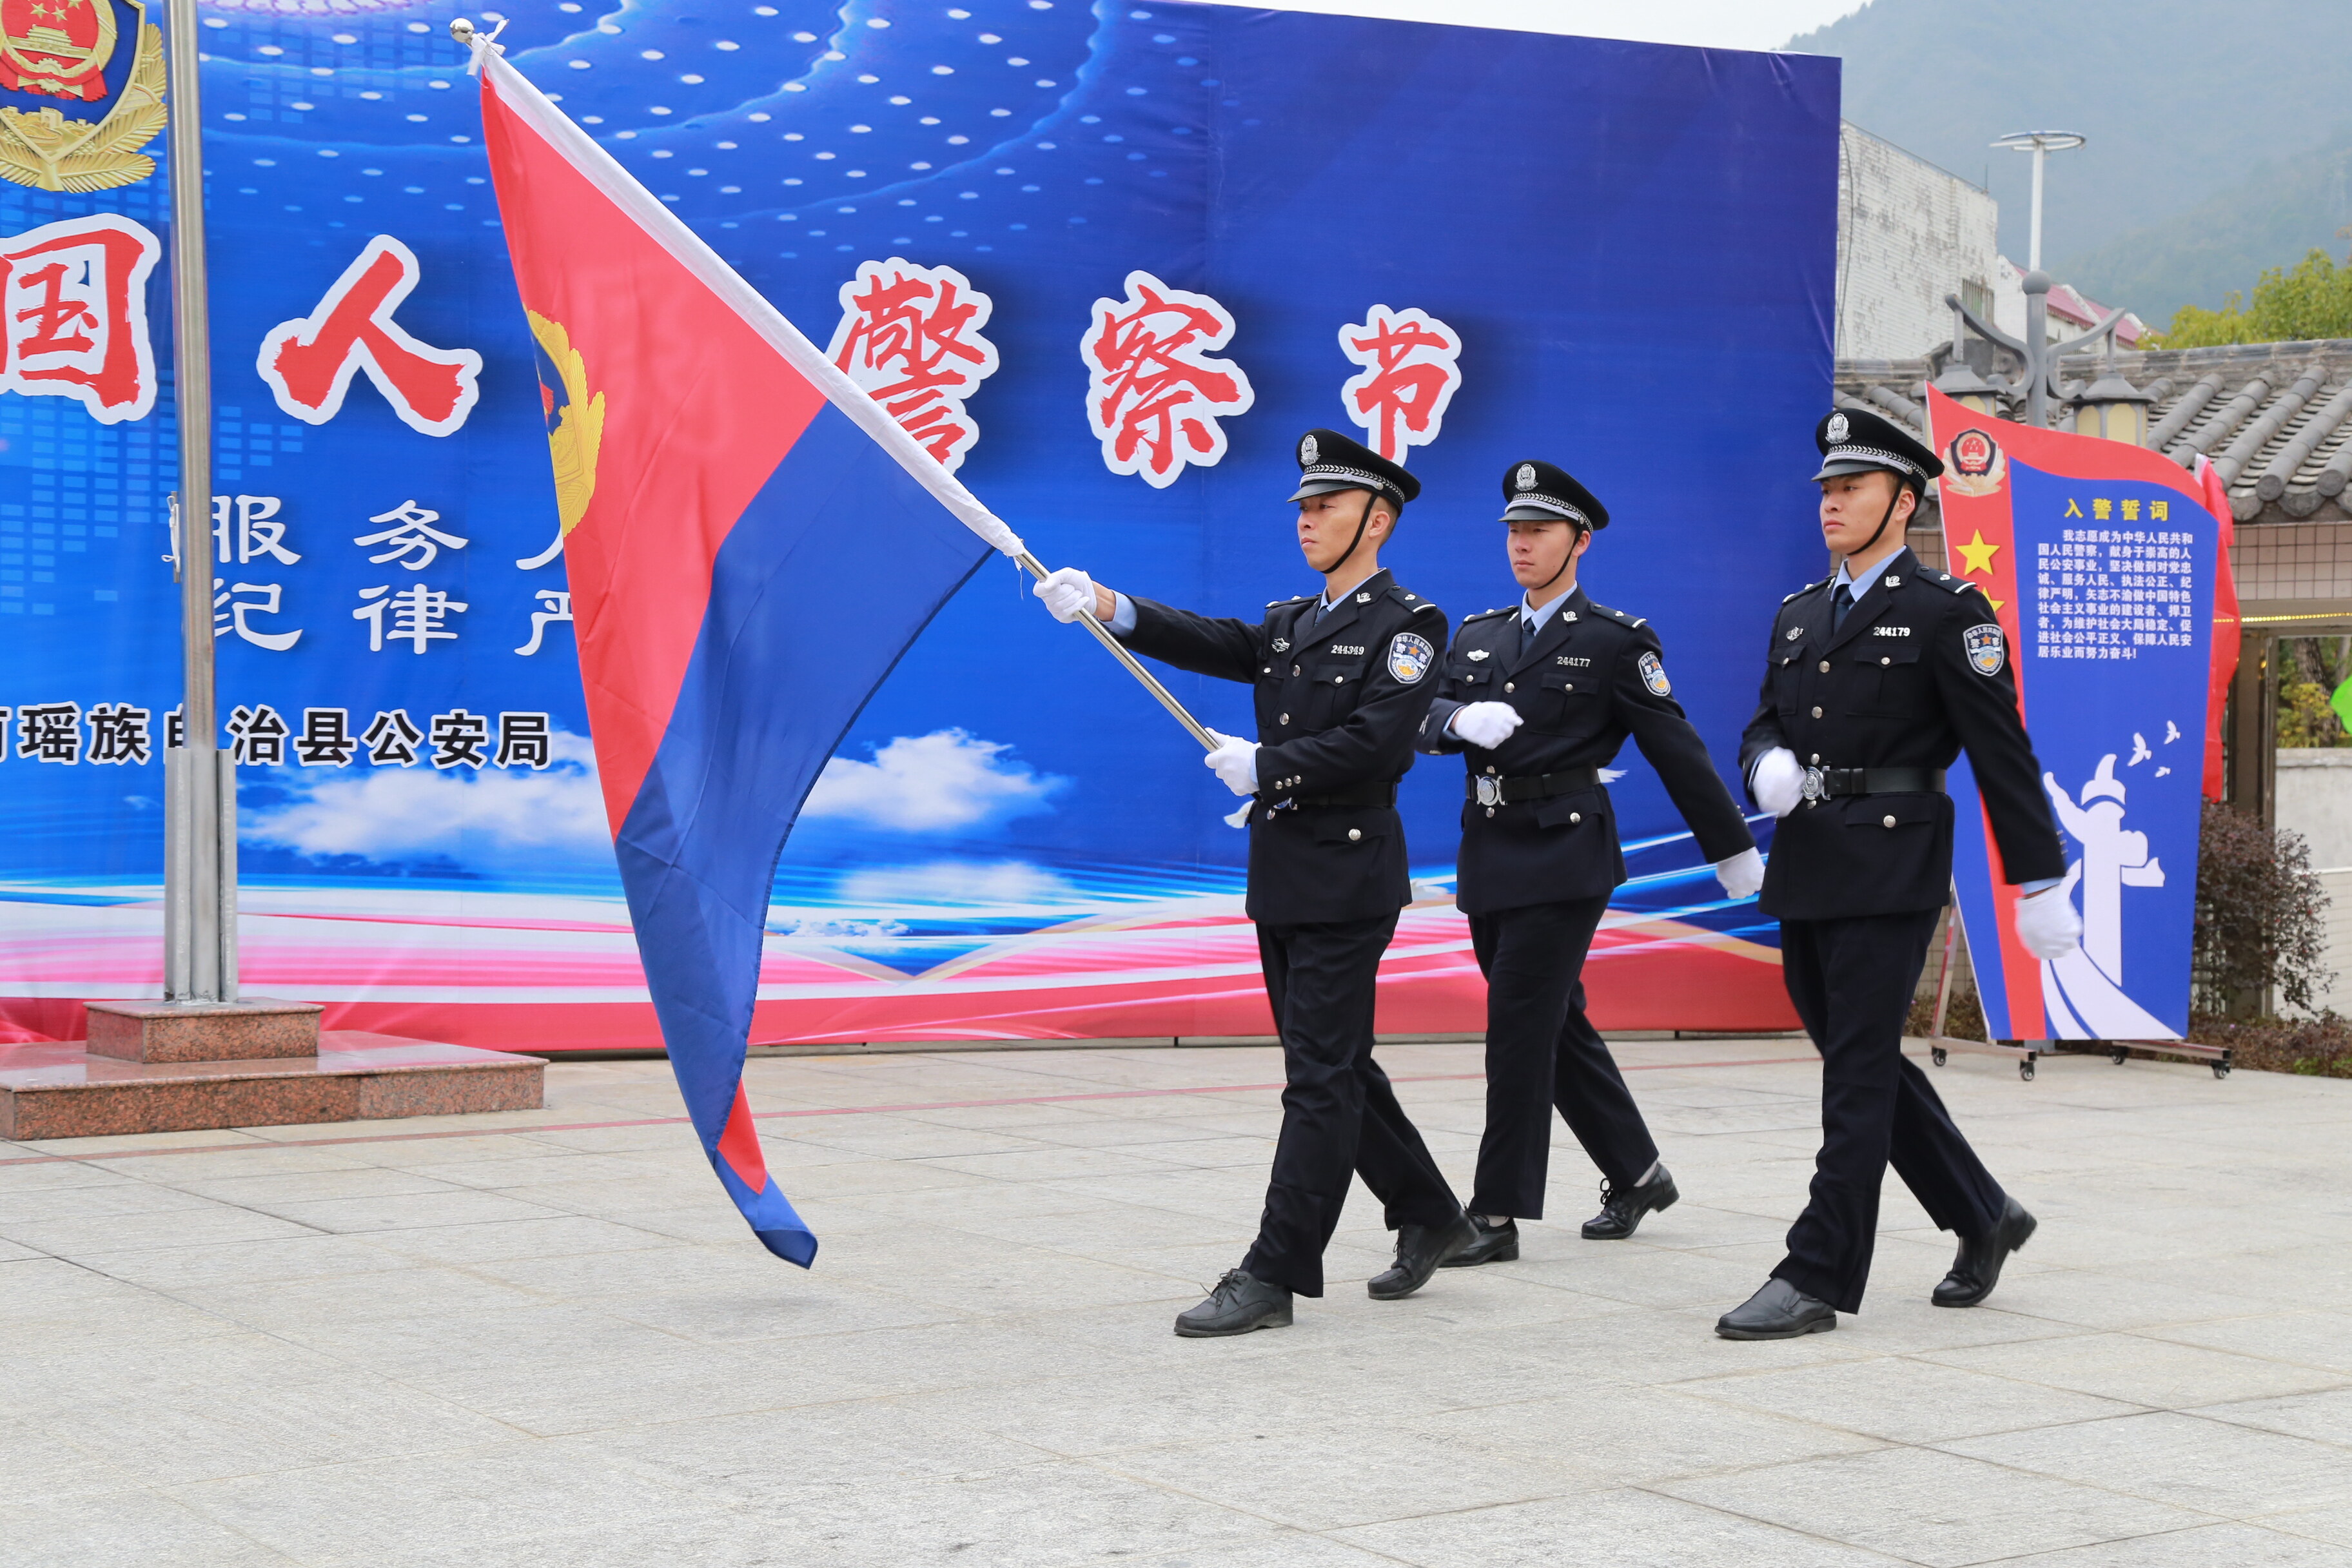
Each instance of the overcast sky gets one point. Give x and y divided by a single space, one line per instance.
1717 24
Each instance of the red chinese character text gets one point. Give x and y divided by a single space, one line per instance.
1409 376
1154 394
73 314
910 336
309 361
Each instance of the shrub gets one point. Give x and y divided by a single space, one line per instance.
2259 932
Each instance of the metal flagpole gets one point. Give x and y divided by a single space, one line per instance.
1102 634
200 787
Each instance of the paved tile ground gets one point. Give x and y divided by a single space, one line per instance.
544 1339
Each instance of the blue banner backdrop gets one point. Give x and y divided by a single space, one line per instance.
1109 260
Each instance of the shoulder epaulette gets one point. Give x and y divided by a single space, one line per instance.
1277 604
1413 602
1808 588
1618 615
1486 614
1944 580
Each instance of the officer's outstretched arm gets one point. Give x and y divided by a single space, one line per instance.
1979 693
1663 731
1375 742
1206 645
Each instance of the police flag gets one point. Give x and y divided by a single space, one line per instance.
719 481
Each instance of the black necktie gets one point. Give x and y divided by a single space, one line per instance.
1840 603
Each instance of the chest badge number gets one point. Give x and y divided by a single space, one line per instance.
1654 675
1988 649
1410 657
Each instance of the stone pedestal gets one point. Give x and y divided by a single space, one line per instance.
151 1066
254 1029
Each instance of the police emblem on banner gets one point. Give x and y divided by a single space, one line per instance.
1975 464
1410 657
1654 675
81 90
575 420
1988 649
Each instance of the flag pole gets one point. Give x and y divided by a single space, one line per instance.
200 785
853 400
1102 633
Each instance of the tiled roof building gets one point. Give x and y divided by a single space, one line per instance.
2276 418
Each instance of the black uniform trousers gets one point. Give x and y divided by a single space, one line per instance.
1542 1051
1852 980
1338 1113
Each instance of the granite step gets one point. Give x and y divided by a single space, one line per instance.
61 1090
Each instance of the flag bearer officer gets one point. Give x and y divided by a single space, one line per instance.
1341 680
1538 697
1874 679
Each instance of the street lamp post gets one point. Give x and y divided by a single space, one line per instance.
2040 143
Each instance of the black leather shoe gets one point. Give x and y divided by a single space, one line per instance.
1977 1269
1621 1213
1422 1251
1239 1303
1778 1311
1496 1244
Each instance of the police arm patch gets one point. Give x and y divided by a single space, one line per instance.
1654 675
1988 649
1410 657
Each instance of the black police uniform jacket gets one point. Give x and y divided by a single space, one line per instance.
1588 679
1895 686
1339 705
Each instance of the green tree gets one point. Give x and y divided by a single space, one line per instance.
2312 299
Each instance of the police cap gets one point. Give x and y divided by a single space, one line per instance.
1537 491
1329 461
1856 441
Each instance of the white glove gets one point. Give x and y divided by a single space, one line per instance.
2047 923
1488 724
1235 762
1742 875
1068 594
1778 782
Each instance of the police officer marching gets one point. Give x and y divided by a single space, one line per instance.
1341 681
1875 679
1538 698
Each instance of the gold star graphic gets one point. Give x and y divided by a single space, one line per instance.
1996 604
1976 556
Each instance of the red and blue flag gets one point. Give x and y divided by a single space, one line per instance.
719 484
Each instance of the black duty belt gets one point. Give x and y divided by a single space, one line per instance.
1354 795
1488 790
1829 783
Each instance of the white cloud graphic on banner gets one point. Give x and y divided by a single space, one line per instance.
927 784
960 883
401 813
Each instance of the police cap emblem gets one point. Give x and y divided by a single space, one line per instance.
1988 649
1527 477
1410 657
1306 452
1838 428
1654 675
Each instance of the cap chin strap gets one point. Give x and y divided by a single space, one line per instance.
1866 547
1372 499
1566 563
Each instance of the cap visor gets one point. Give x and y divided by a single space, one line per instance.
1323 488
1838 468
1534 511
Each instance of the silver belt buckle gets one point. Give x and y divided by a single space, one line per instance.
1490 790
1816 787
